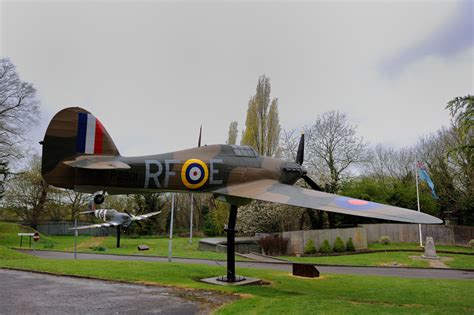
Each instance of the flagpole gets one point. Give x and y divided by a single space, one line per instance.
418 201
191 221
170 246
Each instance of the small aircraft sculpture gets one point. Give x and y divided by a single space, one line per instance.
113 218
79 154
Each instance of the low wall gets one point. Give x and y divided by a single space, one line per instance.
297 239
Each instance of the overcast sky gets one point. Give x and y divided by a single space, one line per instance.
154 71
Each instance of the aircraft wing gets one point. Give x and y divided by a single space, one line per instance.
273 191
97 162
92 226
146 215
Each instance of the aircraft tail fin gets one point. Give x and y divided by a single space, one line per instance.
71 133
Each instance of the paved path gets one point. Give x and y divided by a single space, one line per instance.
382 271
33 293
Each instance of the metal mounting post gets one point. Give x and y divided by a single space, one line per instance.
231 244
118 236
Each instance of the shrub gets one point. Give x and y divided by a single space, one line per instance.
48 245
274 245
385 240
99 248
350 245
309 248
325 247
471 242
339 246
210 227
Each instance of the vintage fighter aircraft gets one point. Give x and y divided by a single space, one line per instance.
79 154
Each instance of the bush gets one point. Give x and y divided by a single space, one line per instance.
274 245
48 245
385 240
350 245
309 248
339 246
471 242
325 247
99 248
210 227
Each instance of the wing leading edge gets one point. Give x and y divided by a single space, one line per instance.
106 224
273 191
146 215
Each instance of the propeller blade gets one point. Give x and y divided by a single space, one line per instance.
139 211
311 183
200 132
139 224
131 216
300 154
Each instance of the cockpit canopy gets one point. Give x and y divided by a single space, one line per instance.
244 150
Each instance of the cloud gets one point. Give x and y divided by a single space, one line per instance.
450 38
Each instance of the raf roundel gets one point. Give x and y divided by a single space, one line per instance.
194 174
354 204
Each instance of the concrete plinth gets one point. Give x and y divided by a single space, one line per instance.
218 281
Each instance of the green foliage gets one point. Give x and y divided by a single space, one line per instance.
309 248
462 113
339 246
286 294
48 245
99 248
392 191
325 247
385 240
262 126
350 245
471 243
233 131
210 227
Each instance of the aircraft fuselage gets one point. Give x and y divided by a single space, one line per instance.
198 169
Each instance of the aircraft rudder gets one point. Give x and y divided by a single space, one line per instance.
72 132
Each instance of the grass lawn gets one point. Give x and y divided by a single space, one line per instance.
285 294
371 259
128 246
393 258
386 259
393 246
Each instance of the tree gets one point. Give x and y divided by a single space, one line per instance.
384 162
288 147
332 147
18 109
461 153
76 201
462 113
262 126
232 136
27 193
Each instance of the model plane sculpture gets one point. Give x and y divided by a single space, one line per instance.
113 218
79 154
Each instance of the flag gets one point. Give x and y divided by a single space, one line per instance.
423 174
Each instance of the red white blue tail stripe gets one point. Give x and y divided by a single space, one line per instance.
90 134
